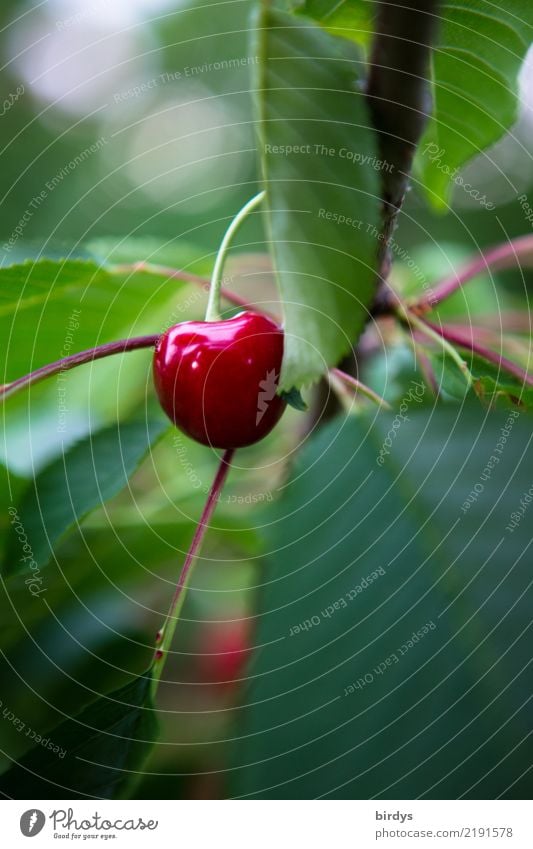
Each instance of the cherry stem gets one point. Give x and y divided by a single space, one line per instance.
166 633
505 255
213 303
457 338
67 363
360 387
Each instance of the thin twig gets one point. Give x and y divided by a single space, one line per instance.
435 333
455 338
67 363
356 384
507 255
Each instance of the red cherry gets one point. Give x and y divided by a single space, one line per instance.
217 380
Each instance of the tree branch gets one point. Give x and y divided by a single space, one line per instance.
399 100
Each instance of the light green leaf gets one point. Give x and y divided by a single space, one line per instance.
86 476
351 19
321 177
395 616
476 64
494 386
49 310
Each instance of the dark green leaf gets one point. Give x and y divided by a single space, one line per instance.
294 399
95 754
387 532
88 474
321 177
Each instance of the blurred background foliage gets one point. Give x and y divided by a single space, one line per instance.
154 96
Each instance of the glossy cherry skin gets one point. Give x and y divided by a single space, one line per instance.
217 380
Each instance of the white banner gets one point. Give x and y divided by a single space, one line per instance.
268 824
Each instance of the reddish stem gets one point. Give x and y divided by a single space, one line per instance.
358 386
456 338
165 634
188 277
502 256
67 363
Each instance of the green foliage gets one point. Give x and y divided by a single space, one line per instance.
492 385
475 71
351 19
50 309
98 753
476 61
322 207
383 533
86 476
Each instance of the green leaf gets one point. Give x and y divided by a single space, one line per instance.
294 399
476 64
386 532
179 254
321 177
49 310
86 476
351 19
493 386
95 754
477 58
